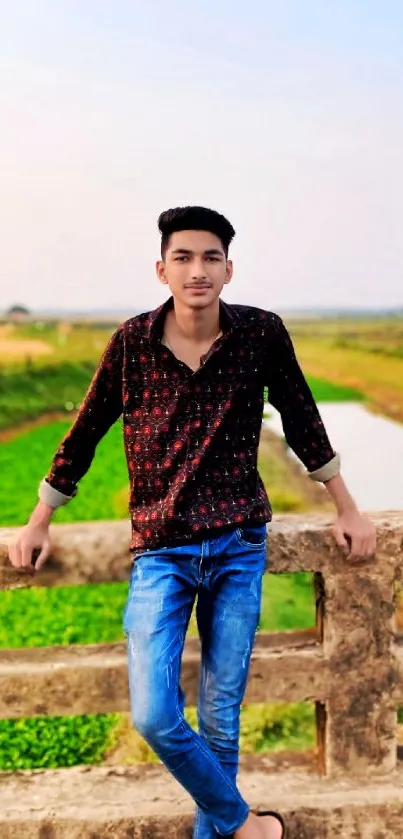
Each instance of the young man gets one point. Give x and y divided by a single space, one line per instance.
189 380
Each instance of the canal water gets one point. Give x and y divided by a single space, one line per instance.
371 449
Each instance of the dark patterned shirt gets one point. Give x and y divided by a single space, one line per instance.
191 438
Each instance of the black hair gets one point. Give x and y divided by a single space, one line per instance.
194 218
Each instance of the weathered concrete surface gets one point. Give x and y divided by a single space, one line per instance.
352 666
93 679
82 552
99 551
358 644
355 674
146 803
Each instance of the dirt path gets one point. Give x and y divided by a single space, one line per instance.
8 434
20 347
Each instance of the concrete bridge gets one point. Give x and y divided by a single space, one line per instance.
350 664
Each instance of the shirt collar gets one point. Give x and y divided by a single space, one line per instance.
229 318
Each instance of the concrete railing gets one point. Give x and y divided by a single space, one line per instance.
350 664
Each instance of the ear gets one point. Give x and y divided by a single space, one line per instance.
228 271
160 269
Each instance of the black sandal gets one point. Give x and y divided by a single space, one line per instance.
276 816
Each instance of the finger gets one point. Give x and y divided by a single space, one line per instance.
26 555
14 553
357 548
42 558
367 548
340 539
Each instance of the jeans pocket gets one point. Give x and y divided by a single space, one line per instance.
252 536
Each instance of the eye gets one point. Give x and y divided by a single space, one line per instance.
213 258
181 258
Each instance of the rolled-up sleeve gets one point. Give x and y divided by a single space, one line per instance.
291 395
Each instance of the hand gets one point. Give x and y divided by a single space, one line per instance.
32 538
359 530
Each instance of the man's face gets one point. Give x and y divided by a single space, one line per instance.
195 268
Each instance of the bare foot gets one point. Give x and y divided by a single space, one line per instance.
260 827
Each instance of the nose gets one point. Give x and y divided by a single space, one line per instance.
198 270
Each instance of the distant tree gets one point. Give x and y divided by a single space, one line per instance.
18 311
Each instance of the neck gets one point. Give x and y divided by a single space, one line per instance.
193 324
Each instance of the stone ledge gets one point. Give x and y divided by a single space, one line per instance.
145 802
99 551
93 679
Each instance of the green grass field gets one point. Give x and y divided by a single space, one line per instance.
30 393
366 355
26 394
26 458
92 613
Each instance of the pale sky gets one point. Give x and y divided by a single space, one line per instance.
285 116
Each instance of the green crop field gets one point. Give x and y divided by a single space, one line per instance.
26 458
366 355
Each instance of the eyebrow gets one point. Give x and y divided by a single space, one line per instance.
208 252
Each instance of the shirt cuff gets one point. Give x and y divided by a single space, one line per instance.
328 471
51 496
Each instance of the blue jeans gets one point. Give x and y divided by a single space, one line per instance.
226 574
